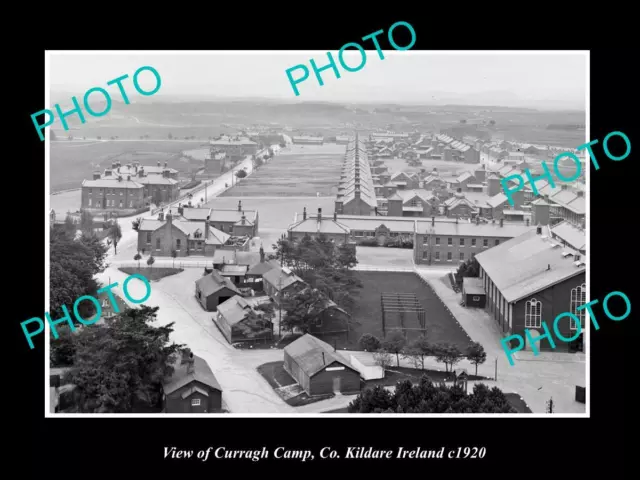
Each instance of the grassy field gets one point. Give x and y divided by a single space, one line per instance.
276 213
151 274
367 318
72 162
299 170
444 168
66 201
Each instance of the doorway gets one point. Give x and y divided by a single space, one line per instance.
336 385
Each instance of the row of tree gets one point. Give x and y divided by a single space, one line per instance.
426 397
416 351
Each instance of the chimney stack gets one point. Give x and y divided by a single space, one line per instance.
304 213
158 162
539 230
206 228
527 222
433 221
478 220
239 205
166 164
501 222
335 216
96 175
319 214
161 215
169 217
261 254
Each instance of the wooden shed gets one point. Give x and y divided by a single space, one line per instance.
318 369
473 292
192 388
214 289
239 321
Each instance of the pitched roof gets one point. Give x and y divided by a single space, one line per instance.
214 282
312 225
312 354
235 257
262 267
528 264
470 229
111 183
181 376
573 235
274 276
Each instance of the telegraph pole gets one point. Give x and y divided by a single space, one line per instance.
496 374
550 405
280 306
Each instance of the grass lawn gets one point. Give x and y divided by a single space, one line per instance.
152 273
296 173
367 317
275 374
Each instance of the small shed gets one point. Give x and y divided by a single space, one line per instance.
473 292
366 365
239 321
319 369
214 289
192 387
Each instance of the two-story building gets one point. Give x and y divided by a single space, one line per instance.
235 148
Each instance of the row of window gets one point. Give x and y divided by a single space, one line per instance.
533 309
198 245
485 242
114 191
110 203
436 256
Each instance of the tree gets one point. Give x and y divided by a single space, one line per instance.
241 174
425 397
476 354
62 349
136 224
303 308
463 121
417 350
70 226
382 358
137 257
115 234
73 265
492 122
448 354
119 367
394 343
170 136
469 268
369 343
86 222
151 261
268 313
174 254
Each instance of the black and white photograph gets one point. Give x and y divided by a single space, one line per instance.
283 234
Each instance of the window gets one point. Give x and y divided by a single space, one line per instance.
177 244
462 242
157 244
437 255
449 256
425 241
533 314
358 234
473 242
148 237
195 402
578 297
462 256
413 203
485 242
89 202
425 254
476 299
450 241
120 192
130 203
497 242
318 322
437 240
120 203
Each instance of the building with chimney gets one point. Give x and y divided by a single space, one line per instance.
129 189
317 225
308 140
318 368
192 388
356 191
280 282
533 278
235 148
455 242
213 289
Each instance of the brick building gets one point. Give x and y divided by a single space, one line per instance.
235 148
192 387
533 278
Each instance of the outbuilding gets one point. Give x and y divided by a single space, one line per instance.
473 292
192 387
214 289
318 369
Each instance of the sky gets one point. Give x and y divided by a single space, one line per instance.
543 80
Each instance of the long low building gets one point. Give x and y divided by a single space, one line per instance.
439 240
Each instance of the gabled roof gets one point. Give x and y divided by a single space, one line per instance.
527 264
214 282
277 275
312 354
181 376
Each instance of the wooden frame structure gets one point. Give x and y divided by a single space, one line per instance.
402 304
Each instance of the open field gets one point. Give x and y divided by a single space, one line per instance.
367 317
72 162
299 170
66 201
276 213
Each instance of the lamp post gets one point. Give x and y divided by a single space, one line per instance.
280 306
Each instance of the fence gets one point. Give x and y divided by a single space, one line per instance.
164 264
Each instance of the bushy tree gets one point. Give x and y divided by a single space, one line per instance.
303 308
62 349
469 268
241 174
174 254
448 354
137 257
119 367
425 397
382 358
151 261
418 350
115 234
369 343
394 343
476 354
136 224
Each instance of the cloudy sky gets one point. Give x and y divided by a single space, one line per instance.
542 80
